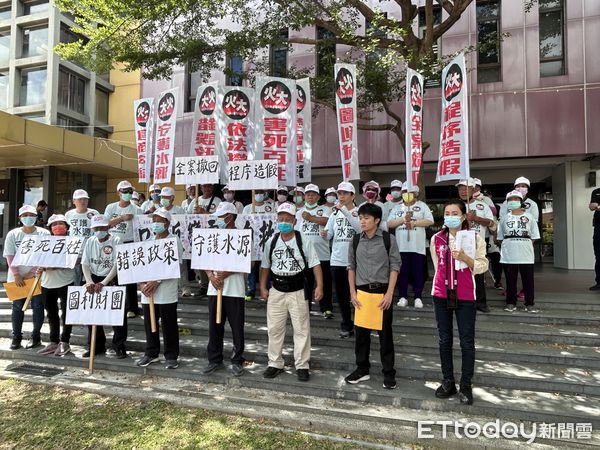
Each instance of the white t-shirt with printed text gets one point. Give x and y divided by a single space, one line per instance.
287 259
517 233
123 230
417 241
11 245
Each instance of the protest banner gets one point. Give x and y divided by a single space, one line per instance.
345 101
453 163
303 132
165 135
263 227
222 250
414 126
204 126
249 175
178 227
197 170
138 262
143 110
58 252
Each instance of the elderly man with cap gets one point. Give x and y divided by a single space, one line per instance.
282 196
481 220
99 268
410 219
313 220
207 202
80 220
330 197
229 196
341 227
55 285
153 203
165 297
120 219
396 193
233 287
285 259
190 194
167 201
18 275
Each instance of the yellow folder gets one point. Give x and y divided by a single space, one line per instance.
13 292
369 315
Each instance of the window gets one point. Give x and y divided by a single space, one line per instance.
35 117
67 35
4 47
436 47
71 91
488 31
325 53
235 70
100 134
101 106
194 80
35 6
35 41
552 43
3 90
71 124
5 12
279 56
33 86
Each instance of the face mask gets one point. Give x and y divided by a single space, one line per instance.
28 221
298 199
396 194
229 197
157 227
100 234
477 194
370 195
126 197
452 222
259 197
59 230
513 204
221 223
284 227
522 190
155 197
282 198
331 199
408 197
310 205
164 202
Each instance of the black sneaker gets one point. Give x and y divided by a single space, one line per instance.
212 367
120 354
146 361
466 395
483 307
357 376
389 383
15 344
328 315
595 287
446 390
302 374
86 354
346 334
171 364
272 372
236 370
34 343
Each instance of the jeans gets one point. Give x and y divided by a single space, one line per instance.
465 319
37 305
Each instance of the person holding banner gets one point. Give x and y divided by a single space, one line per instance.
454 295
341 227
190 192
55 284
314 219
330 197
167 201
232 286
396 193
19 275
99 268
285 259
298 197
164 294
120 219
229 196
410 219
79 220
373 266
207 203
153 203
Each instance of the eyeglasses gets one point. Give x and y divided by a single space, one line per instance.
126 191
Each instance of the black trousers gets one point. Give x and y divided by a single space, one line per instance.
232 311
480 293
512 272
132 298
362 345
167 314
596 241
495 266
339 274
50 297
119 333
309 287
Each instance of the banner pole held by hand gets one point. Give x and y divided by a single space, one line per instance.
196 196
92 349
253 203
33 288
219 305
152 314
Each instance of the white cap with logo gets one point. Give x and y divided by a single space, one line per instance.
346 187
282 189
413 188
154 187
287 208
477 182
56 218
311 188
396 184
299 189
80 193
371 184
225 208
99 220
514 194
124 185
330 190
27 209
162 212
466 182
167 192
522 180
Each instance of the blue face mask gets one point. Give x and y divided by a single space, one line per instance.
513 204
28 221
452 222
259 197
284 227
298 199
396 194
157 227
126 197
155 197
220 222
100 234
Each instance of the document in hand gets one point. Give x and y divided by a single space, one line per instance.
369 315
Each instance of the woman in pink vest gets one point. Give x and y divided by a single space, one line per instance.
454 294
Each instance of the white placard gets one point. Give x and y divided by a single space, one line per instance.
107 307
197 170
59 252
222 250
263 228
152 260
248 175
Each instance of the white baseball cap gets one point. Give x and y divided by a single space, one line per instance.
99 220
413 188
162 212
299 189
467 182
287 208
282 189
27 209
371 184
225 208
330 190
522 180
167 192
396 184
346 187
56 218
312 188
124 185
226 188
187 186
514 194
80 193
154 187
477 182
135 196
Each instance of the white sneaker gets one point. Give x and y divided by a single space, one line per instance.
403 303
418 303
186 292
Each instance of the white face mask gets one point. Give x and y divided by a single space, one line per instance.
229 196
331 199
282 198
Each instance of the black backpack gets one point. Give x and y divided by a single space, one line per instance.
386 241
298 240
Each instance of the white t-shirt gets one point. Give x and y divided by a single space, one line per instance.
388 207
531 207
203 203
176 210
517 234
166 292
287 259
100 256
312 231
233 286
149 204
123 230
341 227
482 210
11 245
55 278
80 223
266 208
418 238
